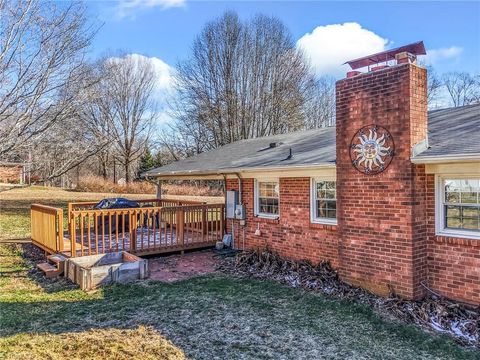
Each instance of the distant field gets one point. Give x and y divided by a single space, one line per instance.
15 205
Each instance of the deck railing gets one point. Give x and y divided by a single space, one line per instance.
47 227
88 205
144 230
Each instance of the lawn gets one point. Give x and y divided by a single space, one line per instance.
15 205
211 317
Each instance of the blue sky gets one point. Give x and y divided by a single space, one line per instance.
330 33
166 28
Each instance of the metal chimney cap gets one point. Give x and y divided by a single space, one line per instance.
417 48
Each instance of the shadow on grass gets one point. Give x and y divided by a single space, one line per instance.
217 316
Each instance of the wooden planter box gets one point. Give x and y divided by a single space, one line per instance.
90 272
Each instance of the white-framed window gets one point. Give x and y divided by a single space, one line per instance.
323 201
457 211
267 198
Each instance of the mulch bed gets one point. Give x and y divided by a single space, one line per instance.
460 321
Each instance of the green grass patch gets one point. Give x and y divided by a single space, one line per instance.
208 317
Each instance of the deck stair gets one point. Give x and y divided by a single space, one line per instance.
54 266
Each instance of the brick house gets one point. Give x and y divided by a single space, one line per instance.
390 196
13 173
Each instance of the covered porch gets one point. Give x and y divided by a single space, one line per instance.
156 226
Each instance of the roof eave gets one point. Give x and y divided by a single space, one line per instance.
436 159
226 171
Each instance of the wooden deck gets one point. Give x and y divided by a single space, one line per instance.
145 230
147 241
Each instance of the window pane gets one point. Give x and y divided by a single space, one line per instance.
453 185
465 193
453 211
470 212
268 197
268 189
452 197
321 209
330 194
331 214
454 223
331 205
325 202
469 198
470 224
462 217
469 185
330 185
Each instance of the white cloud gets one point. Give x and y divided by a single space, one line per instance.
329 46
435 55
163 71
126 8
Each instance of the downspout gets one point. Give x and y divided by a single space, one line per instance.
225 201
239 187
241 203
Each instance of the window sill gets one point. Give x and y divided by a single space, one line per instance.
458 234
323 226
268 218
324 222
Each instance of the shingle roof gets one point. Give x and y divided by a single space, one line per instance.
311 147
453 131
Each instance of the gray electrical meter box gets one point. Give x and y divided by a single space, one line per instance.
231 203
240 212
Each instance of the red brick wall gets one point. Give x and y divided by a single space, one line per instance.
379 216
292 235
10 174
385 238
453 264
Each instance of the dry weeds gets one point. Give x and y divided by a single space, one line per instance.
99 184
143 342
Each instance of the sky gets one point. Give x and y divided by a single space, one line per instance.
330 33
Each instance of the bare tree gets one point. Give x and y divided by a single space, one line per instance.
94 114
125 99
42 48
320 105
80 135
243 80
463 88
434 86
66 145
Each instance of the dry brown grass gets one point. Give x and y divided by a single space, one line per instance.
100 185
142 342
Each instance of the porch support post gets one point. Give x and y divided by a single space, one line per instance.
158 187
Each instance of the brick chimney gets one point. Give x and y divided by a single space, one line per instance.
381 119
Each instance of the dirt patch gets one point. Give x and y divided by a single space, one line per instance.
180 267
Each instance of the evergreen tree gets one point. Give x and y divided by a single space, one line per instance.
147 162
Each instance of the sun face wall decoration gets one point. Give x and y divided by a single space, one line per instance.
372 149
